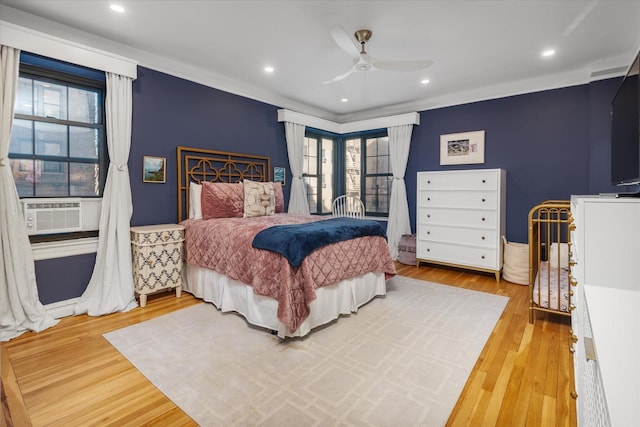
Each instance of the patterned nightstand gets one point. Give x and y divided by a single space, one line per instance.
157 259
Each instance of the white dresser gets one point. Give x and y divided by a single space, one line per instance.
461 218
156 252
605 318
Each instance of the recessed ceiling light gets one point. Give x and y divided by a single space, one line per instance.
344 100
117 8
424 81
268 69
548 52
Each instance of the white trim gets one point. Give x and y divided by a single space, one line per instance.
64 248
342 128
54 47
61 308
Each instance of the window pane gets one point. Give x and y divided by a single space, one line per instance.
352 167
327 175
83 106
24 99
83 142
51 139
21 137
84 179
50 100
312 193
52 178
23 176
311 156
372 146
378 190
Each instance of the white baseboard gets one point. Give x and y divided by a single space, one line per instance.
61 308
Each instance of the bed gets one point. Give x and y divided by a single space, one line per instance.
549 251
222 266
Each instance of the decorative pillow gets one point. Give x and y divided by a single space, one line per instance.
259 199
222 200
563 256
195 207
277 190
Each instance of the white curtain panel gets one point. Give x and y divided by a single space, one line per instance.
111 286
298 203
399 223
20 307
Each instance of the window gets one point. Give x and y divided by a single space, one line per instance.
58 142
367 172
364 171
318 172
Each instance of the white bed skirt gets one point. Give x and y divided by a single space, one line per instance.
331 301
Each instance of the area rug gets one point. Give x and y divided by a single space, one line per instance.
403 359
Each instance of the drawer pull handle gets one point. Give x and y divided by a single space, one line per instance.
482 237
428 198
483 200
484 180
482 257
428 216
428 182
428 250
428 232
483 219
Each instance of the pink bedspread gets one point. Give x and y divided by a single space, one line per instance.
224 245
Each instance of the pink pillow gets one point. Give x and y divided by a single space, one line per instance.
222 200
277 190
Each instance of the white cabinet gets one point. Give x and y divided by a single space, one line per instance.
461 218
606 318
156 252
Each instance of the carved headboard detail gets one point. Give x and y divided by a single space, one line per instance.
199 165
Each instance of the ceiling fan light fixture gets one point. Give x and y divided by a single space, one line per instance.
363 67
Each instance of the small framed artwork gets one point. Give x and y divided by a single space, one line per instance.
153 169
279 174
462 148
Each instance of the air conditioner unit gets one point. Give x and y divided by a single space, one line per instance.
48 216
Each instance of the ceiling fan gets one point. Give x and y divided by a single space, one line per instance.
362 61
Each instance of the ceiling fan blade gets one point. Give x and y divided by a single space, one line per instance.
340 76
401 65
342 39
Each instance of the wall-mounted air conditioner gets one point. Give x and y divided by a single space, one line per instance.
48 216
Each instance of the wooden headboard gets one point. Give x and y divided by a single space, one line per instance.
199 165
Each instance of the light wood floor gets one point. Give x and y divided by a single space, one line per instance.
70 375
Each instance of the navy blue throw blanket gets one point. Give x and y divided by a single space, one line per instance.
296 241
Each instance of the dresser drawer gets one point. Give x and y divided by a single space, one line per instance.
157 267
456 254
469 180
458 217
464 236
459 199
154 234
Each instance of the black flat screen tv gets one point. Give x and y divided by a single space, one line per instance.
625 130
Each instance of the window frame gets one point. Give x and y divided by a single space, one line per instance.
45 73
364 174
319 136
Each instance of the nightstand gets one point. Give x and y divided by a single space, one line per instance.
156 252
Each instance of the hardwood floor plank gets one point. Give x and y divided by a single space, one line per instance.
70 375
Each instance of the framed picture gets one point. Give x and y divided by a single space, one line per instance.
279 174
153 169
462 148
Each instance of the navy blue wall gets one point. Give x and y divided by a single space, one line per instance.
170 112
552 143
542 139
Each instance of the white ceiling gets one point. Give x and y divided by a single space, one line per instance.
480 49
